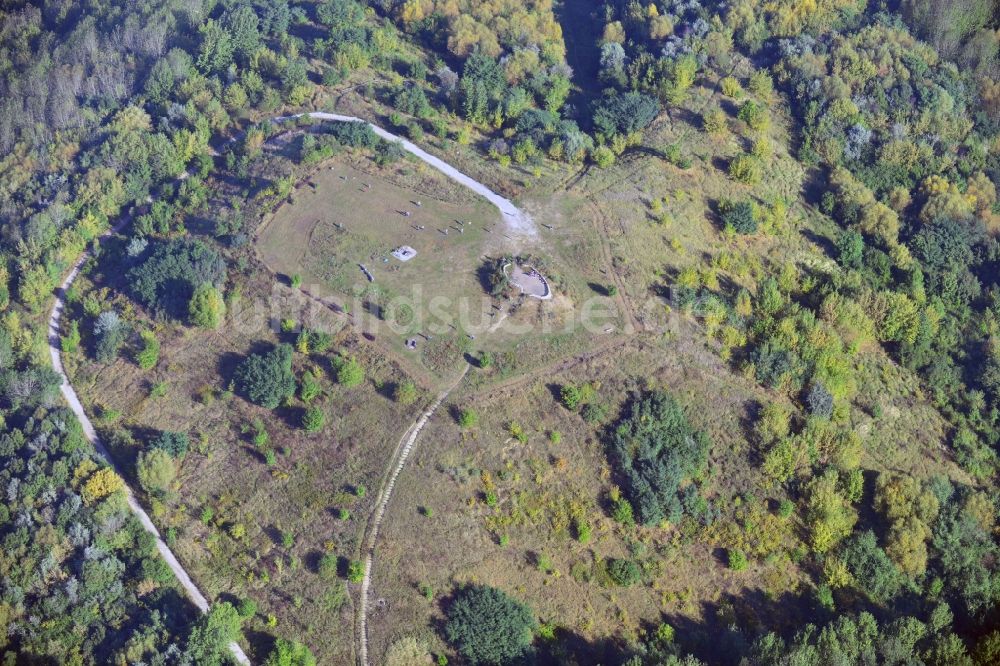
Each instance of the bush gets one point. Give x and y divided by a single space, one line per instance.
740 217
350 372
487 626
467 418
266 379
594 412
206 307
621 511
175 444
313 419
355 571
327 567
247 608
737 559
745 169
754 115
570 397
290 653
149 355
624 572
156 470
714 122
405 392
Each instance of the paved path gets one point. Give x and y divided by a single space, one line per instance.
518 221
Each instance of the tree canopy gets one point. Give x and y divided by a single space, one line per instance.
488 627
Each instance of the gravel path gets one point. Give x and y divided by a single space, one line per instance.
408 440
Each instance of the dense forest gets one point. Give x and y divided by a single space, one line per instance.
147 119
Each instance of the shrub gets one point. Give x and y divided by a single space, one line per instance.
594 412
623 572
745 169
290 653
621 511
266 379
148 356
467 418
309 387
487 626
754 115
355 571
313 419
247 608
603 157
175 444
350 372
70 342
570 397
405 392
714 122
206 307
156 470
327 567
731 87
737 559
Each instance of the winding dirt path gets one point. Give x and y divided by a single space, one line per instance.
403 450
518 222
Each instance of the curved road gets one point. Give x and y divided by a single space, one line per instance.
518 222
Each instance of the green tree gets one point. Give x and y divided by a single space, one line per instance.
468 418
488 627
266 379
656 449
208 643
623 572
110 332
174 443
740 216
206 307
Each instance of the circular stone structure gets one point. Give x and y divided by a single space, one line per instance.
529 281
